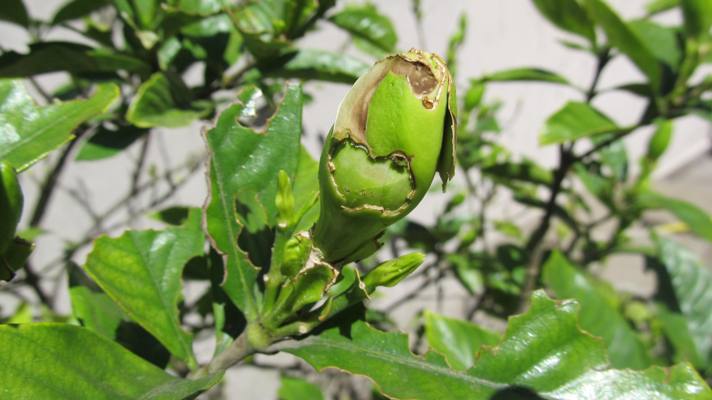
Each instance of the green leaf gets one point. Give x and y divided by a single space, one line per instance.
657 6
93 308
306 191
45 57
543 349
526 74
58 361
106 142
75 9
14 11
161 101
28 132
599 313
526 170
196 7
11 203
685 287
298 389
459 341
622 37
314 64
569 16
660 40
698 220
366 23
574 121
14 257
244 169
141 271
698 17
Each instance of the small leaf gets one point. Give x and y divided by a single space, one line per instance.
526 74
657 6
244 168
543 349
660 40
574 121
313 64
459 341
75 9
160 102
14 11
141 271
196 7
58 361
685 288
105 142
696 219
569 16
622 37
298 389
599 311
366 23
698 17
28 132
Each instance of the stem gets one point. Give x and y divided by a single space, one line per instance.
238 351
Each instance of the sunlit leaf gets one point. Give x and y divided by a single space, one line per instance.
575 120
526 74
366 23
567 15
459 341
698 220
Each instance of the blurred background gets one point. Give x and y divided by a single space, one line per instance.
500 35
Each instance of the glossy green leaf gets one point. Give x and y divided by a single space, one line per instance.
196 7
298 389
698 17
45 57
29 132
244 168
459 341
141 14
59 361
161 101
543 349
107 142
567 15
93 308
575 120
141 271
75 9
599 313
660 40
622 37
314 64
698 220
526 74
685 288
14 11
366 23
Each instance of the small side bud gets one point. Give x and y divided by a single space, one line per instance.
391 272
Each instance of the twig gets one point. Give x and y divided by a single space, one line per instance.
136 176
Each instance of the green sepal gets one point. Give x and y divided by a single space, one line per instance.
393 271
14 257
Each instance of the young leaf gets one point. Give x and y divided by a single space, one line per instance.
660 40
459 341
698 17
698 220
322 65
599 313
685 287
61 361
158 102
622 37
141 271
543 349
298 389
364 22
244 169
526 74
574 121
30 132
569 16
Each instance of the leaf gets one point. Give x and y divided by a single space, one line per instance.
14 11
599 312
569 16
543 349
698 17
244 168
622 37
657 6
526 74
141 271
58 361
160 101
28 132
574 121
686 287
105 142
298 389
45 57
306 191
660 40
314 64
459 341
75 9
366 23
526 170
196 7
698 220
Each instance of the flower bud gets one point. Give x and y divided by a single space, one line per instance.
394 129
393 271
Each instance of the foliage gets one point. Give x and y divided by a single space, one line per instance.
258 276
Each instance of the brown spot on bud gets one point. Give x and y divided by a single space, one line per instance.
427 103
420 77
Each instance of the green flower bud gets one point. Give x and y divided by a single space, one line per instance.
393 271
394 129
10 205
